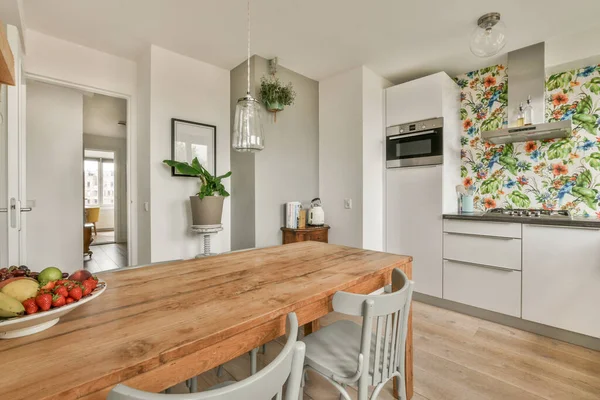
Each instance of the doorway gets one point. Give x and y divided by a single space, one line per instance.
76 163
42 212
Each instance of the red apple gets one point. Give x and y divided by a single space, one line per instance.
80 275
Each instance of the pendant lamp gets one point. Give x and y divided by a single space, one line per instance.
489 36
248 135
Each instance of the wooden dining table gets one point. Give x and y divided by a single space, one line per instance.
159 325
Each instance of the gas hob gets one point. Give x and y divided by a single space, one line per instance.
531 213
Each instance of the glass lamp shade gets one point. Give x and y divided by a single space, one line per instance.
248 135
487 40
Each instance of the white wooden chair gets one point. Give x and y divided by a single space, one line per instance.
347 354
264 385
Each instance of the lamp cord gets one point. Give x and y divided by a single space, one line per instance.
248 23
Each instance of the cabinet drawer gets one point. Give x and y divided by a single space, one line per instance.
504 229
491 289
489 250
320 236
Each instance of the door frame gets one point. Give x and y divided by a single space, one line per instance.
131 170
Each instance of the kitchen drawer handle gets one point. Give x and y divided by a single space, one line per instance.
481 265
585 228
478 235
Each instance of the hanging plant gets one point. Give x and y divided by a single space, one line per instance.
275 95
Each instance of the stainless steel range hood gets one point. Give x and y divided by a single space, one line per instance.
527 77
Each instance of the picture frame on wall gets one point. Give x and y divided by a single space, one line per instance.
193 139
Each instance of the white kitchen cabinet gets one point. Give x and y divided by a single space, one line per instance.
483 228
480 286
415 100
492 251
414 222
561 277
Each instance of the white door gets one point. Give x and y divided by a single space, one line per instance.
561 271
414 222
12 163
55 176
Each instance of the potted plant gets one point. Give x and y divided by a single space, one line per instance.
275 95
207 204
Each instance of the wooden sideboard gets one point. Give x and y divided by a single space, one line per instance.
314 233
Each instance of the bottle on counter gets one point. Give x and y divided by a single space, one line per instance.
520 116
528 112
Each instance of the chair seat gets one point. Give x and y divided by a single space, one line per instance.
333 350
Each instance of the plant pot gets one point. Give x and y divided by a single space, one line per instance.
274 106
207 211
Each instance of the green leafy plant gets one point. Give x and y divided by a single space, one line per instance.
273 92
209 184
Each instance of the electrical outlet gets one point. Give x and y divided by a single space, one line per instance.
146 206
348 204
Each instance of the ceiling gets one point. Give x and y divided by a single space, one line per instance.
101 115
397 39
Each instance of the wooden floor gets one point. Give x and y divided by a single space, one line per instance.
463 358
106 257
103 237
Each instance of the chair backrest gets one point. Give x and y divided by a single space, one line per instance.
382 351
264 385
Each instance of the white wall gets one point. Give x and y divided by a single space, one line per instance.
51 57
109 216
101 115
184 88
351 156
340 155
54 177
59 61
288 168
373 158
243 193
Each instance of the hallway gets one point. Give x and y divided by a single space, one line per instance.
106 257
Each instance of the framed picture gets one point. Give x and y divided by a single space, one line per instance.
193 139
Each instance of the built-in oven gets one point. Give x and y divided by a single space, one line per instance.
414 144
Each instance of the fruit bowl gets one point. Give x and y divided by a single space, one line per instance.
29 324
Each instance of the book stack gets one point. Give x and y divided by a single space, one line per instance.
292 214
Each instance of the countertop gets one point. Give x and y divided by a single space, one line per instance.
574 222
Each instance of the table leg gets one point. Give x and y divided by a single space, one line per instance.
311 327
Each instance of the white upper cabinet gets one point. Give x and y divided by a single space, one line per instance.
561 275
415 100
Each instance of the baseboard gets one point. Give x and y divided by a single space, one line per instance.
514 322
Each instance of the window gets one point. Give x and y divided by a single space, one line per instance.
99 182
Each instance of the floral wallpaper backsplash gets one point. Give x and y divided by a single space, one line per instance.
554 174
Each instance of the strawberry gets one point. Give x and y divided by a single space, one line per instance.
69 300
61 290
58 300
76 293
88 286
44 301
62 281
30 306
49 286
69 284
93 282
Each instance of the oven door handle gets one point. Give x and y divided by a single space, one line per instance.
408 135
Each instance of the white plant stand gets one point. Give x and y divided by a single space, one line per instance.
206 231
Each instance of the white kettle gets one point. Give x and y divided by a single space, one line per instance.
316 216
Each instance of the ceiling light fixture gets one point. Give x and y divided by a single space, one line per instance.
488 38
248 135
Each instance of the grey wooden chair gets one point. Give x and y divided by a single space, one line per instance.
347 354
266 384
